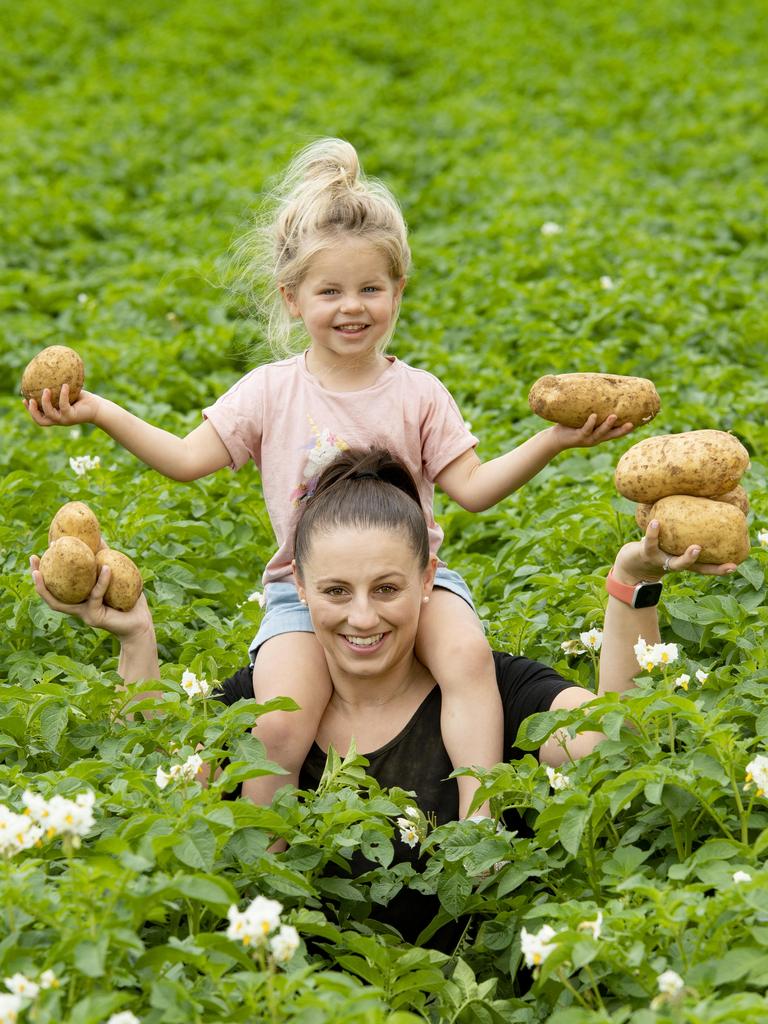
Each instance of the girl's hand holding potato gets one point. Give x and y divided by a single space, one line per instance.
590 433
45 414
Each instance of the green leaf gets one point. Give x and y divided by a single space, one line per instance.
197 846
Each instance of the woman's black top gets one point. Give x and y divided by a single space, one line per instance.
416 759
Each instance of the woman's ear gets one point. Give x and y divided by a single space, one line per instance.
289 298
299 583
428 579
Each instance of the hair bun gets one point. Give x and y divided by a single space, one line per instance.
331 162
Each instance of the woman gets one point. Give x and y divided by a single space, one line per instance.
362 560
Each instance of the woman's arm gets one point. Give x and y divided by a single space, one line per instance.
641 561
134 629
181 458
477 486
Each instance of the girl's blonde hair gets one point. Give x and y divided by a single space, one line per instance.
323 195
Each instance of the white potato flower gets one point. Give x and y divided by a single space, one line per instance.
682 681
124 1017
82 464
194 687
649 656
17 832
283 945
252 925
536 946
757 774
571 647
667 653
9 1007
670 983
607 283
762 538
550 228
592 639
71 817
701 675
259 597
741 876
596 926
557 780
22 986
409 834
49 980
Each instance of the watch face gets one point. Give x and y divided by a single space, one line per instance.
647 595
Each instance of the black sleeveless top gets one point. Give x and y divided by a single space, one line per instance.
416 760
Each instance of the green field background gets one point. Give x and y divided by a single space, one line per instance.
136 140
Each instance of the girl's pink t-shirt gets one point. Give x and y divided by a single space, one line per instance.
280 416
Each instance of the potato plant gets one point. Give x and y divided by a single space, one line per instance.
585 191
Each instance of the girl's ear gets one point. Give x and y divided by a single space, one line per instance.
290 301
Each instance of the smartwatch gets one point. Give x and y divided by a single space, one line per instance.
637 595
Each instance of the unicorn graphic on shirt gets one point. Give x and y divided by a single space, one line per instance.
322 449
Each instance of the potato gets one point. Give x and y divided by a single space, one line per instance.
69 570
698 462
75 519
53 367
737 497
125 583
570 398
720 528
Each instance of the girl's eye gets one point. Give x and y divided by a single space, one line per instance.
370 288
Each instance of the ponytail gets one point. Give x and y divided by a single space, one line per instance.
367 490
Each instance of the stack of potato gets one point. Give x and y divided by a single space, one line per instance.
690 483
75 556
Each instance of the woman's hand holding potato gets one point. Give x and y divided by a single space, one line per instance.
644 560
130 625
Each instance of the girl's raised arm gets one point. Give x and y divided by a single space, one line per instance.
198 454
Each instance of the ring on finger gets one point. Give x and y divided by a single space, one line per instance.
666 567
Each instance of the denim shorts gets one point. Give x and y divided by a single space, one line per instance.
286 614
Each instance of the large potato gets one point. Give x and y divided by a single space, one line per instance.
737 497
125 582
69 570
52 368
720 528
699 462
75 519
570 398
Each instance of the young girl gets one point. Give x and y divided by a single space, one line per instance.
336 253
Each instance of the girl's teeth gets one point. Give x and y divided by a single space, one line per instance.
364 641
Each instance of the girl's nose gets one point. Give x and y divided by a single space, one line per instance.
351 304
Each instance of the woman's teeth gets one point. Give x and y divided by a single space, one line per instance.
364 641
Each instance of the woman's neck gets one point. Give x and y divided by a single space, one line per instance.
372 710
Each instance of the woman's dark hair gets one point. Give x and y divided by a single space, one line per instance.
364 490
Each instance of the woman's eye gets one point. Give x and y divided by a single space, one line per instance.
387 588
334 591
